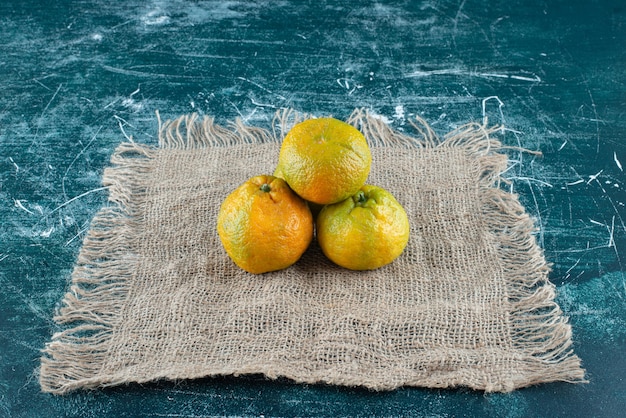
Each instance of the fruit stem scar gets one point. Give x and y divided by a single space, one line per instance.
360 198
265 187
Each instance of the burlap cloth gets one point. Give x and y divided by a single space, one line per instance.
154 295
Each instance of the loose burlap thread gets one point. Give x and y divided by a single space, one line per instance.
154 295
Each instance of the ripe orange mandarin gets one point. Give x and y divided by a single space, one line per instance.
264 226
324 160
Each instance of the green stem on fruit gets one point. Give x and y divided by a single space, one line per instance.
265 187
360 198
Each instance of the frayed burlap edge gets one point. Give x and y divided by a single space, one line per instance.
100 280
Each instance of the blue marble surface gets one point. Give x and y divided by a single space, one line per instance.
78 77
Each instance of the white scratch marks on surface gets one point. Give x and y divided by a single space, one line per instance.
611 231
456 20
593 221
399 112
130 103
619 217
538 211
514 163
581 250
459 72
121 122
52 99
82 231
62 205
617 162
47 232
594 176
37 80
254 102
45 109
155 17
484 104
145 74
76 158
419 73
534 79
529 179
18 204
567 273
345 83
261 87
575 182
112 103
239 41
17 167
596 117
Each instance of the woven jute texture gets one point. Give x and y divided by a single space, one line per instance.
154 295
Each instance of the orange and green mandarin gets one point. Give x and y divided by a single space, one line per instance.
264 226
364 232
324 160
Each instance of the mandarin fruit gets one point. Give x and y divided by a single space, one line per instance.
324 160
364 232
264 226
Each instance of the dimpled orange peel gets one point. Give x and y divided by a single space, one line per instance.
364 232
264 226
324 160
